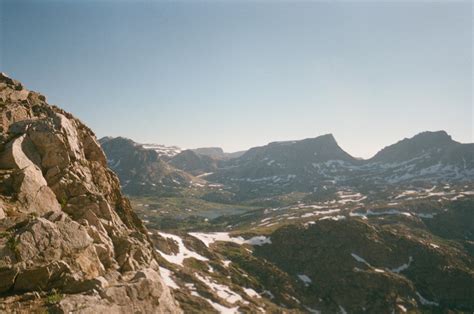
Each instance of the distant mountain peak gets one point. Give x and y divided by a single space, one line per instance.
418 144
119 139
325 138
441 136
302 152
328 136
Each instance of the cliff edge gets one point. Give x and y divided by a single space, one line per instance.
69 240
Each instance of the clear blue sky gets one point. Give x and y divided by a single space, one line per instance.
238 74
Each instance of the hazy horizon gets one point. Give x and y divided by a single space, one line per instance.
242 74
287 140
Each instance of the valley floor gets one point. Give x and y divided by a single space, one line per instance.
398 250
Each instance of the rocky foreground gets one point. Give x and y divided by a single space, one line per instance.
69 240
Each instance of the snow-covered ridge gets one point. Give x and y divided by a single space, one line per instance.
162 150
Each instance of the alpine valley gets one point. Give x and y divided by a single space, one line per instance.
289 227
304 227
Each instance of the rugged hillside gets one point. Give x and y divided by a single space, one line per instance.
420 144
142 170
282 167
194 163
396 251
69 240
367 266
214 152
319 164
427 156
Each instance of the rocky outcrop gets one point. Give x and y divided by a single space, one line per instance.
69 240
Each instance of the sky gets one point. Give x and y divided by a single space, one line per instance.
238 74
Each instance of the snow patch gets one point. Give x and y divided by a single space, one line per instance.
219 308
320 212
425 301
183 252
335 218
360 259
305 279
343 311
251 293
379 213
166 275
403 267
223 291
259 240
209 238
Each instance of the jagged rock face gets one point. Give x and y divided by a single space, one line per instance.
64 223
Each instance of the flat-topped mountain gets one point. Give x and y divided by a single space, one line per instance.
69 240
293 153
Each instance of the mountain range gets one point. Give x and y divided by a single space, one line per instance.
318 164
323 232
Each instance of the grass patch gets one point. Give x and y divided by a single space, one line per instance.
12 244
54 298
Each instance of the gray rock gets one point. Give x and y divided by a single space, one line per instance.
69 227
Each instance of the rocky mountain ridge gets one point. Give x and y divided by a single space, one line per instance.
196 164
142 170
318 164
69 240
